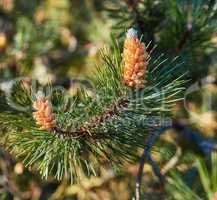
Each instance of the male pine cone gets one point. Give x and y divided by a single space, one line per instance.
43 115
3 41
135 60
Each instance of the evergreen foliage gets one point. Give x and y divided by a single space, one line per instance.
108 126
100 125
179 27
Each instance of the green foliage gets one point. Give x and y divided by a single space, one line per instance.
56 37
146 16
33 38
183 28
116 118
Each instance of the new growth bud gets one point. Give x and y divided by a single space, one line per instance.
135 60
43 115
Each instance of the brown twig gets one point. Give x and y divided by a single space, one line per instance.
146 157
185 37
85 129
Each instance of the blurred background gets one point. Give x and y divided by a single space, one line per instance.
58 41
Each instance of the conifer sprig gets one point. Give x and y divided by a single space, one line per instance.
109 124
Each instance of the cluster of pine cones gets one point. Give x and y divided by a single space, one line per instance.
135 59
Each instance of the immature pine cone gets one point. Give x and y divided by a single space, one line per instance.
44 113
3 41
135 60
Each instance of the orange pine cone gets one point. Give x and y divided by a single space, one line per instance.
3 41
135 60
43 115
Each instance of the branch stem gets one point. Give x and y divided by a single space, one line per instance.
85 130
146 157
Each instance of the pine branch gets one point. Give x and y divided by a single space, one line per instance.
87 130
